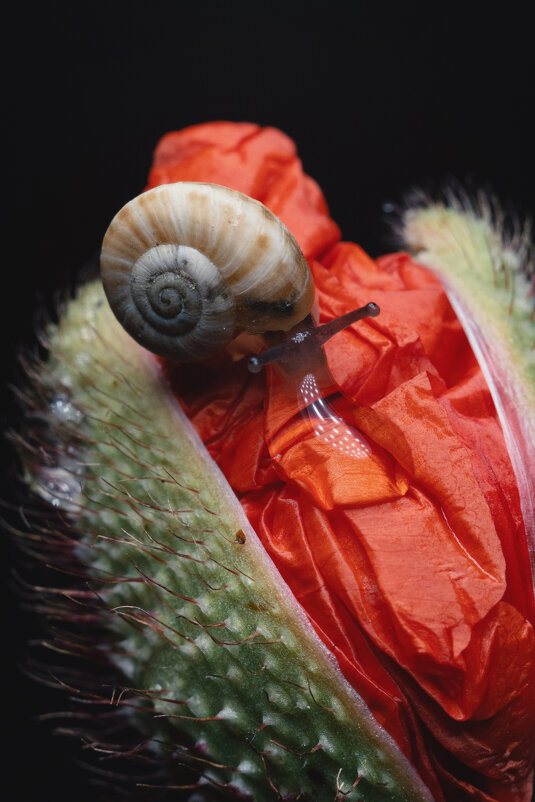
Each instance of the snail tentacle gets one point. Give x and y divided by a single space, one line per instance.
305 343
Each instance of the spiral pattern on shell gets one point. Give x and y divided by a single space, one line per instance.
187 266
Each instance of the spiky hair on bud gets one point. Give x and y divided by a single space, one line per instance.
53 580
208 674
502 238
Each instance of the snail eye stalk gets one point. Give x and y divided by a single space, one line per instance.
310 339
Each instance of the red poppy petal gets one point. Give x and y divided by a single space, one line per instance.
410 557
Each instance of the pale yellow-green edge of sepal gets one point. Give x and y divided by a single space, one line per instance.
483 259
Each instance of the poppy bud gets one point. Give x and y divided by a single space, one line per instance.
281 612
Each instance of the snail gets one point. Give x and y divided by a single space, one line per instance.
186 267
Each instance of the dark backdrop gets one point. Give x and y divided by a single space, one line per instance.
378 96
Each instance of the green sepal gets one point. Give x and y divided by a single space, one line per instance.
225 672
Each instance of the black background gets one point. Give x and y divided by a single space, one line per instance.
378 97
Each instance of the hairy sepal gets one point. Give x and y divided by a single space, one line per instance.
204 632
484 259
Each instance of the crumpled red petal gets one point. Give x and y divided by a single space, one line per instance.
411 559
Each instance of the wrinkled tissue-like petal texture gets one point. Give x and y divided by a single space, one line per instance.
410 558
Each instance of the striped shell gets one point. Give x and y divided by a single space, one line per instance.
188 266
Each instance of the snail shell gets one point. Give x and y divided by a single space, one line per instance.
187 266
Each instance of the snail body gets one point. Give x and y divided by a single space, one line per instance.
186 267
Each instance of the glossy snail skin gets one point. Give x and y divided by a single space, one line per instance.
187 266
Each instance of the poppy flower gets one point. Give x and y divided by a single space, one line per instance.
390 586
